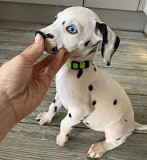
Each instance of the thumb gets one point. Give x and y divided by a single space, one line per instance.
33 52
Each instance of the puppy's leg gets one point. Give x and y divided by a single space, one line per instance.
115 136
71 119
44 117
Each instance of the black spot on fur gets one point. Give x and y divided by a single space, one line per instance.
50 36
86 43
108 63
87 123
63 22
115 102
55 109
55 49
94 102
37 120
116 44
80 72
94 67
103 29
90 88
118 138
117 41
126 120
70 115
54 101
85 116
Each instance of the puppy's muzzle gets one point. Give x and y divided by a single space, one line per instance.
44 35
49 36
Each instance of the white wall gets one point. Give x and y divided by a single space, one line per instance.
116 15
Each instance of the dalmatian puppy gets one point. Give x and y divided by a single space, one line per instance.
89 95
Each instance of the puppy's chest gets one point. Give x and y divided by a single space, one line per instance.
74 83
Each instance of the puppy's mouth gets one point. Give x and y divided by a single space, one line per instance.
49 47
52 51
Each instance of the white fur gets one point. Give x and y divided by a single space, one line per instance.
116 121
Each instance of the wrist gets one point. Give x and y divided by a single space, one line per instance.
7 115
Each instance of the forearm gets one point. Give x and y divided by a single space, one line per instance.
7 116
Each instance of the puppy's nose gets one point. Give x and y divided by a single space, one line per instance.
42 34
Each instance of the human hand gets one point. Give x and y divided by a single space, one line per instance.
24 84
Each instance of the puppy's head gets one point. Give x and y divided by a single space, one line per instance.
79 30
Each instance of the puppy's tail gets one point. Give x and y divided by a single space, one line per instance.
140 127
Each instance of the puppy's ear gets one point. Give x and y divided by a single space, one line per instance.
110 41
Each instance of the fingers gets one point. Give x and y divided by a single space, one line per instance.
57 62
42 64
65 58
47 62
35 51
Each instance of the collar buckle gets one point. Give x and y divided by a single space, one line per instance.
75 65
87 64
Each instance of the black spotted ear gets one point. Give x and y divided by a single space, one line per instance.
110 41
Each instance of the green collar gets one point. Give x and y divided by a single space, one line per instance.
78 65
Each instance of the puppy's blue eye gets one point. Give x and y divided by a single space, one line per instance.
72 29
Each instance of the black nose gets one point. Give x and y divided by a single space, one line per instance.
41 33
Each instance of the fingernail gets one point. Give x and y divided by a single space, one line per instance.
62 50
38 38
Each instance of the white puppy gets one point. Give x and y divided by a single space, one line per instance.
86 92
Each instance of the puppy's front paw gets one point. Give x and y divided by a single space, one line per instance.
61 140
42 118
96 150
